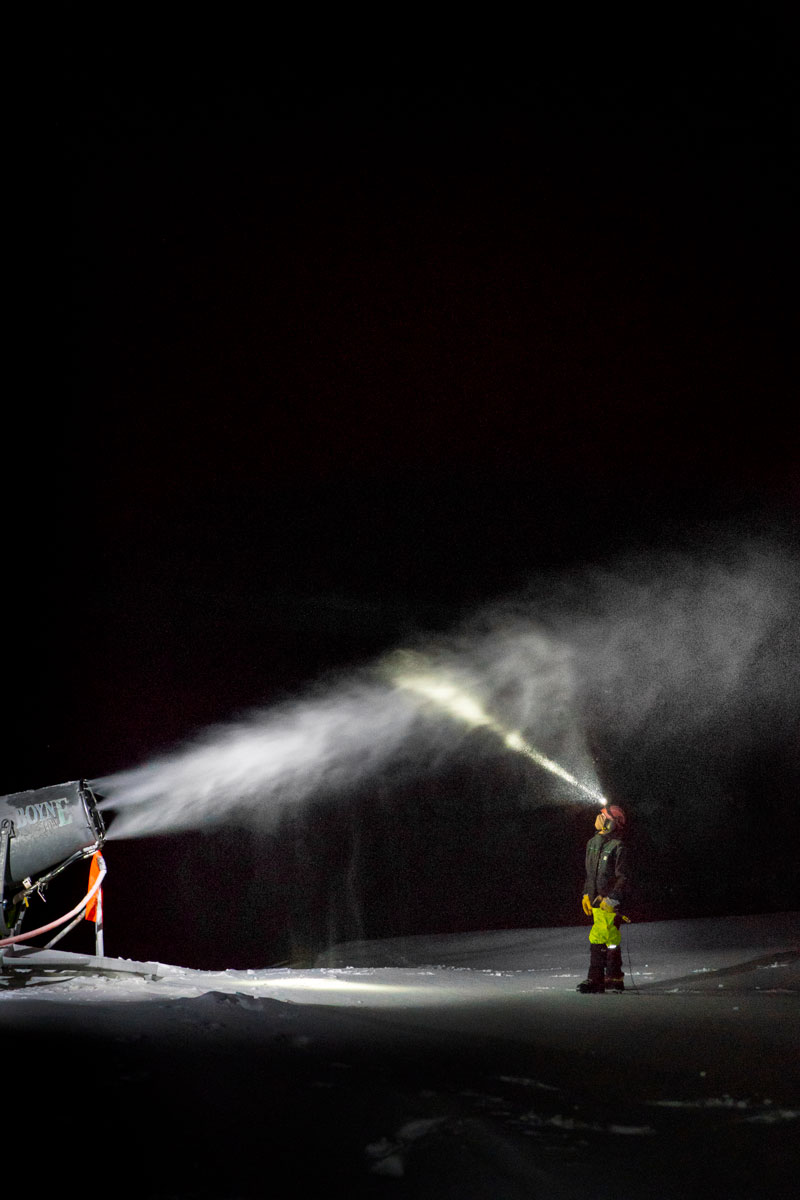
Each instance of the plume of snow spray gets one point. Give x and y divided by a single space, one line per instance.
253 767
648 651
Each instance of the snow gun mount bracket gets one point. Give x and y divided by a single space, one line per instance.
41 833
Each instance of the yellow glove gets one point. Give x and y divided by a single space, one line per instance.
587 905
606 906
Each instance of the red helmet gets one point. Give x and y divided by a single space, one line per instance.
613 816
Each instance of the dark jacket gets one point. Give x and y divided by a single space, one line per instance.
606 868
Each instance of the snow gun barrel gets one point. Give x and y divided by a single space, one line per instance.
47 826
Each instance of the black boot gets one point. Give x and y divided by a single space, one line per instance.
595 980
615 976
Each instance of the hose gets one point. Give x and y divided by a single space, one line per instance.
62 933
630 967
21 937
43 880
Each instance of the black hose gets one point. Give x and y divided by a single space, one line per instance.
630 968
5 837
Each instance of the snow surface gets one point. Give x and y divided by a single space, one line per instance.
464 1066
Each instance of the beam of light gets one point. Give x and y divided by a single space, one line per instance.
459 704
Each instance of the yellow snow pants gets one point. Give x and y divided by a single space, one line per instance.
604 931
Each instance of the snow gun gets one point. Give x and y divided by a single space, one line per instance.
41 833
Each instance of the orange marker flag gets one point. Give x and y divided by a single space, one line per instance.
95 903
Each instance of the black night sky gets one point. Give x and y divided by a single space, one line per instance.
349 342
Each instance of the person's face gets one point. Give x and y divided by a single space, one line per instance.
602 823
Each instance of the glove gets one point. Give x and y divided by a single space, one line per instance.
606 906
587 905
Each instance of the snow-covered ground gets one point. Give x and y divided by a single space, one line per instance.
463 1066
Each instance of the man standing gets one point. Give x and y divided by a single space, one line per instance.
604 889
